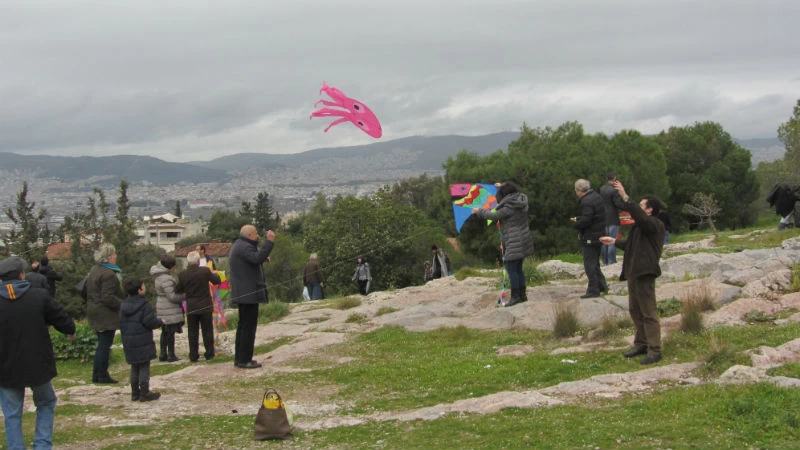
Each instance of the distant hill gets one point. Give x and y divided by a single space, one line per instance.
131 168
416 153
432 152
763 150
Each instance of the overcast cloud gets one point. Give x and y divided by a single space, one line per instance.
195 80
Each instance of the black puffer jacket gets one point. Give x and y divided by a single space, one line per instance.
137 320
512 212
591 223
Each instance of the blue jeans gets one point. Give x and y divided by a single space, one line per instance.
610 251
102 354
516 277
44 397
314 291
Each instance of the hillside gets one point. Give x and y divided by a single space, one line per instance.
421 366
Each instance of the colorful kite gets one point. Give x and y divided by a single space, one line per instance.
470 196
353 111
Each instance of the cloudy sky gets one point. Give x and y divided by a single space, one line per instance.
194 79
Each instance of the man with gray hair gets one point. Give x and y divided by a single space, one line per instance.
591 225
248 289
194 283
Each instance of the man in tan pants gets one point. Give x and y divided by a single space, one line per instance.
640 268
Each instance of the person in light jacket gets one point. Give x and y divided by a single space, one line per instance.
168 306
362 276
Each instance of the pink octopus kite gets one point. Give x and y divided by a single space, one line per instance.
354 111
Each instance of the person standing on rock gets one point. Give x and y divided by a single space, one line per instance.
591 225
362 275
512 212
640 268
248 289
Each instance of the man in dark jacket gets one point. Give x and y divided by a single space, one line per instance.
26 352
640 267
613 203
591 225
49 273
36 279
248 289
194 283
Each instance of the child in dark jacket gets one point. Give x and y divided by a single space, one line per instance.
137 320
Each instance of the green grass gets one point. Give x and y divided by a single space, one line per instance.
706 416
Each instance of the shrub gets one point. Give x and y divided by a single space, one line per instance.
795 277
385 310
756 316
692 317
669 307
565 322
701 295
356 318
721 356
345 303
81 349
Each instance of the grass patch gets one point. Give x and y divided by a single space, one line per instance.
356 318
565 321
612 326
343 303
668 307
692 317
791 370
470 272
385 310
720 357
795 277
267 313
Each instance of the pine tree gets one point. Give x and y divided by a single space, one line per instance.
178 211
23 240
123 236
263 214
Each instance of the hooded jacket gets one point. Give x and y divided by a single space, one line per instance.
512 212
137 320
168 302
26 352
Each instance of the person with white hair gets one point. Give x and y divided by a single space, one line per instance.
591 224
104 297
312 277
194 283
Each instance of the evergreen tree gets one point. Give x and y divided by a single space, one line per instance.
123 236
178 211
23 240
246 210
263 214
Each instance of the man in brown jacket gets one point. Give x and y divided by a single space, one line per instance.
640 268
194 283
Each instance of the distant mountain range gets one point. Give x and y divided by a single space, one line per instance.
418 153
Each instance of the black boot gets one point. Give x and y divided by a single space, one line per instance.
135 392
523 295
171 349
162 355
146 395
516 297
